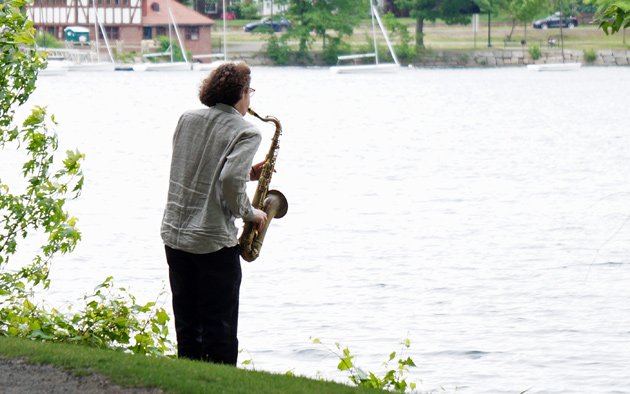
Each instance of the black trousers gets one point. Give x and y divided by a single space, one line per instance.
205 290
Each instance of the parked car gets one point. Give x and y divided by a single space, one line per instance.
267 24
554 21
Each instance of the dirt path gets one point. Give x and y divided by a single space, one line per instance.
19 377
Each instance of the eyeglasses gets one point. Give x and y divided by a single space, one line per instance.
251 91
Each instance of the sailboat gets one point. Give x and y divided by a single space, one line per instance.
376 67
222 56
172 65
556 66
98 65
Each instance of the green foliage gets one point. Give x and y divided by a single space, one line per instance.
612 15
40 205
111 318
124 57
523 10
326 20
534 52
334 48
165 46
590 55
245 9
393 378
33 207
450 11
277 50
400 35
47 40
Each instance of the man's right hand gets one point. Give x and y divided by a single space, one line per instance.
260 219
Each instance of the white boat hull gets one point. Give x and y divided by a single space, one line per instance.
55 67
175 66
103 66
208 66
554 67
365 68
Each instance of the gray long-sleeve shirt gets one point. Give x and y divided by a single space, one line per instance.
213 150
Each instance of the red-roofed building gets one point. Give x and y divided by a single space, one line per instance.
127 23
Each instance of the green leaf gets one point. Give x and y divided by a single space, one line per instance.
408 362
162 316
345 363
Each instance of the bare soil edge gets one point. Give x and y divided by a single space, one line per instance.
17 376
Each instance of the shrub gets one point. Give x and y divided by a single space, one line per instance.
277 50
534 52
47 40
590 55
402 40
333 49
165 46
244 10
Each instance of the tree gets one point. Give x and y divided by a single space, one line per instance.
450 11
523 11
32 205
612 15
38 203
328 20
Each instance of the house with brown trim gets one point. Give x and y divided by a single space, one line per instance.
128 24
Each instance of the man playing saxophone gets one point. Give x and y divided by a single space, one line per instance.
213 150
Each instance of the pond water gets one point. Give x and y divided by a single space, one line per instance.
480 213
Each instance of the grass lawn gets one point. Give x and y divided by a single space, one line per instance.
439 36
170 375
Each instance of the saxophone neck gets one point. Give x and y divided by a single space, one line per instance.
272 119
253 113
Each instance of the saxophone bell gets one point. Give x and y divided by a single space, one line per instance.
273 202
276 206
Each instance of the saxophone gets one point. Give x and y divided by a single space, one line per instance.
271 201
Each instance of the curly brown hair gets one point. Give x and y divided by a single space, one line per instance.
225 84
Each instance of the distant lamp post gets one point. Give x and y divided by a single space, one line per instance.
489 22
475 27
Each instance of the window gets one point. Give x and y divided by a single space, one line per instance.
112 32
155 7
210 7
147 33
160 31
192 33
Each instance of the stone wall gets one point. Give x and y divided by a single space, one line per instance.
503 57
521 56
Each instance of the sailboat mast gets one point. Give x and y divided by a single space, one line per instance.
179 39
389 44
98 50
374 32
225 57
170 35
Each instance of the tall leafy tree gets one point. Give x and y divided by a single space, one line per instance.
450 11
326 20
523 11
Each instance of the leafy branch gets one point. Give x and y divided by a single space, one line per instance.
393 379
111 317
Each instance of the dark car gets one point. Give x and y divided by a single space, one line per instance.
554 21
267 24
